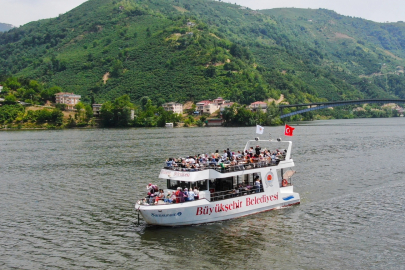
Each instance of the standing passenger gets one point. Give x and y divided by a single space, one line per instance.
257 184
257 150
181 196
185 194
178 194
191 195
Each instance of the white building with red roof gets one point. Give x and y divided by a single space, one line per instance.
226 104
258 105
206 106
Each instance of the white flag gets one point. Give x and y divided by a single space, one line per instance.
259 129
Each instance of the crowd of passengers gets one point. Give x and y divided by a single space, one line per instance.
198 162
157 196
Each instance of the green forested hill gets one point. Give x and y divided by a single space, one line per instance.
178 50
5 27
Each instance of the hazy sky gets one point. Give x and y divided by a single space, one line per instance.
19 12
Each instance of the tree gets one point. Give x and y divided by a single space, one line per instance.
144 100
118 113
107 114
211 71
79 110
10 99
49 94
89 111
12 83
116 68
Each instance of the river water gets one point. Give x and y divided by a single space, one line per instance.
67 200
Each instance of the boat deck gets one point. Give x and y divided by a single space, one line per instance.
222 168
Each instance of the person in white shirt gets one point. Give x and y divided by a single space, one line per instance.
191 195
224 155
196 193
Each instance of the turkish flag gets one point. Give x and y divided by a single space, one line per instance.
288 131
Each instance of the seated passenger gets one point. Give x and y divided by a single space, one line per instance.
212 161
233 162
160 196
169 163
168 198
196 193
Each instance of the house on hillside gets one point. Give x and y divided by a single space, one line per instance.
173 107
97 109
218 101
69 99
226 104
258 105
207 106
200 105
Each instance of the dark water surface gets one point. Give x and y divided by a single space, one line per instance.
67 199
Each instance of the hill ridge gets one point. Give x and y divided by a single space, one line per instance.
150 48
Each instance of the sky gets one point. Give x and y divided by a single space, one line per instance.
20 12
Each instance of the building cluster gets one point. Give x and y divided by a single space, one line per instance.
211 106
202 107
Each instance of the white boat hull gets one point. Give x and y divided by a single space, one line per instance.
203 211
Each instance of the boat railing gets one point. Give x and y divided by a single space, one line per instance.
214 196
154 201
227 167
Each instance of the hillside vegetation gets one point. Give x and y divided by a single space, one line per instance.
178 50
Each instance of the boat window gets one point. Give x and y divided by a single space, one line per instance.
225 188
222 184
202 185
174 184
248 179
286 173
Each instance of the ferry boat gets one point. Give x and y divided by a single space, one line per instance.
226 191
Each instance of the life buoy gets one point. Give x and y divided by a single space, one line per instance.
284 183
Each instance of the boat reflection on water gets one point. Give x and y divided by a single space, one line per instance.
245 239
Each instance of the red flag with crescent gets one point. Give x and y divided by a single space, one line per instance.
288 130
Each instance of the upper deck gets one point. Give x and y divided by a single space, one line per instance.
191 169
